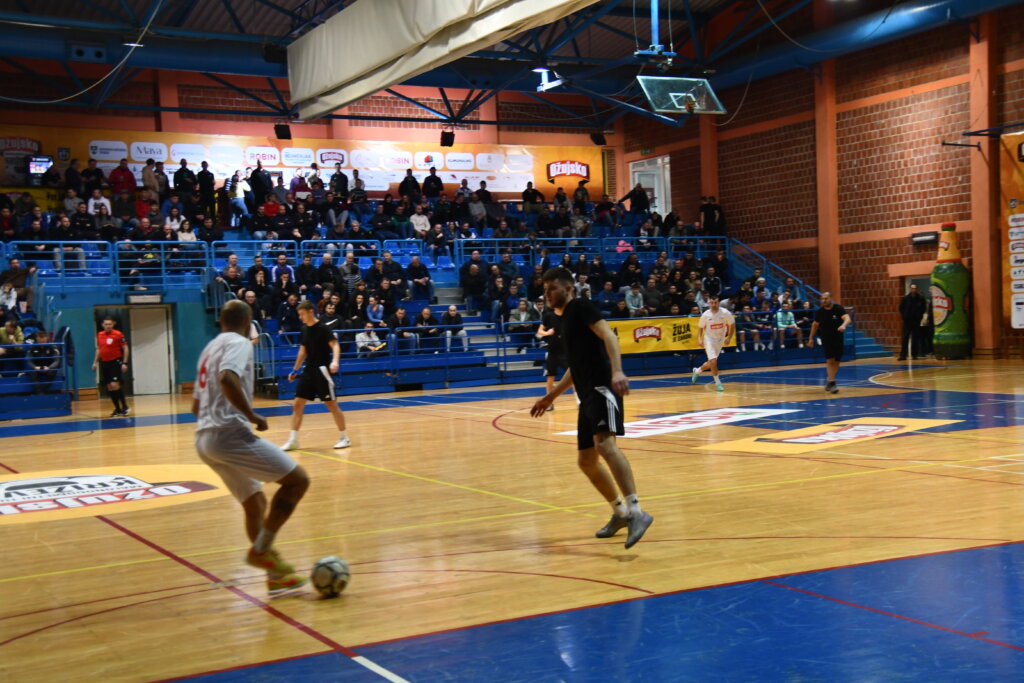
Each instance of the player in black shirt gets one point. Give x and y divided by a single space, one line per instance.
595 371
555 359
830 321
320 350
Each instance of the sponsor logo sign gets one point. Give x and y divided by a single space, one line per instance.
942 304
17 143
1016 233
687 421
1017 245
14 149
330 157
423 161
557 169
827 435
650 331
458 161
297 156
193 153
1016 220
1017 274
364 158
395 158
1017 286
519 162
1017 259
66 494
140 151
268 156
108 150
228 155
488 161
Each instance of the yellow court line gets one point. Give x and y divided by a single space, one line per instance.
485 492
59 572
804 480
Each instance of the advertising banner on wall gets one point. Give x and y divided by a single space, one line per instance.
381 165
1011 227
645 335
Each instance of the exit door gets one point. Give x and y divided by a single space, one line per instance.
152 349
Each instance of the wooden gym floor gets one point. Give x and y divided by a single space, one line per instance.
872 534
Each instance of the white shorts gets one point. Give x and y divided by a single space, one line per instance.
243 460
712 348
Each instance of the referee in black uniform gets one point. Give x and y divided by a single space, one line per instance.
595 372
319 349
830 321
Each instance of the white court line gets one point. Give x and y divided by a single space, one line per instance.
379 670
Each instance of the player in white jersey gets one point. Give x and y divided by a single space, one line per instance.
222 404
714 330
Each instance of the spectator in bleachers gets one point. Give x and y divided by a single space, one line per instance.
206 183
24 205
630 277
607 297
11 339
508 268
399 227
122 178
395 274
497 292
9 225
444 210
367 343
355 312
477 211
34 238
521 327
532 199
250 297
303 223
474 287
123 211
232 277
433 186
712 217
350 273
173 219
420 223
712 284
438 241
406 339
332 319
73 179
639 202
409 187
358 200
66 233
92 178
307 279
209 232
635 301
786 327
452 320
9 309
17 276
328 275
583 288
796 292
186 233
154 216
388 297
420 283
460 212
237 187
620 310
464 190
483 193
428 330
579 223
184 179
652 299
149 181
288 315
43 360
374 312
281 266
561 224
284 287
339 181
162 182
560 200
606 213
580 196
71 202
298 187
52 178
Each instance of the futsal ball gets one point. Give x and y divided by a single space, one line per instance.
330 575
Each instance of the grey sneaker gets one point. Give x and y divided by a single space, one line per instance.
637 528
612 527
832 388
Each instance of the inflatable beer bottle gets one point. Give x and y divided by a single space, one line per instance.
949 290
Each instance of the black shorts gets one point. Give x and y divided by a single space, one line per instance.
110 370
553 362
833 347
600 411
314 383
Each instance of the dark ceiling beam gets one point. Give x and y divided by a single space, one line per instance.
234 16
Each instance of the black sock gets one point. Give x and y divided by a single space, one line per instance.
113 398
118 397
122 399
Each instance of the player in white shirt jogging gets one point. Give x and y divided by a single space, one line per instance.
222 404
714 330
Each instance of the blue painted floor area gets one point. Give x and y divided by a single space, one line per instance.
917 619
325 668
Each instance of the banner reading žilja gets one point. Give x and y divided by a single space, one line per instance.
645 335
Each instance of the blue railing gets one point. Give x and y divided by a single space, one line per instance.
160 264
34 379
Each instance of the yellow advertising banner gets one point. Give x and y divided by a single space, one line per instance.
381 165
1011 227
645 335
824 436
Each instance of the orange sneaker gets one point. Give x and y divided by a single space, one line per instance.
270 562
285 583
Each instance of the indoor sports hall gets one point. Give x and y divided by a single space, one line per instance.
508 340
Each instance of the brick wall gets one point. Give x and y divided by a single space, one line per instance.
684 172
919 59
534 111
26 87
768 99
802 263
218 97
1010 97
868 287
641 133
392 106
1010 22
893 171
767 184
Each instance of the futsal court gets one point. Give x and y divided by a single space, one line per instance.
870 535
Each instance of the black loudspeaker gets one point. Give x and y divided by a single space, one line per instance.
447 138
283 131
598 139
275 54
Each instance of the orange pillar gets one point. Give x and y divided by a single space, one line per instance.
708 156
167 96
826 152
986 269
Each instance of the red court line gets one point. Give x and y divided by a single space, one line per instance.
974 636
102 611
237 591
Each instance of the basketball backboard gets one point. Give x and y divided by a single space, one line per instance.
673 95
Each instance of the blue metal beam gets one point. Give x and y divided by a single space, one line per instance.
242 91
533 59
38 76
100 9
184 12
583 25
612 29
234 17
447 102
317 18
395 93
754 11
38 20
660 118
74 77
115 83
698 49
558 107
129 12
719 53
277 94
277 8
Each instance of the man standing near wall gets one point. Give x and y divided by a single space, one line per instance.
912 310
112 358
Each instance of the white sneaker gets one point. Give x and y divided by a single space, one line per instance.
290 445
342 443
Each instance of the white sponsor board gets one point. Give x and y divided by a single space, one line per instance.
519 162
1017 274
327 158
108 150
1017 245
395 158
268 156
1017 259
364 158
226 155
1017 233
458 161
297 156
140 151
1017 220
687 421
424 161
186 150
489 161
